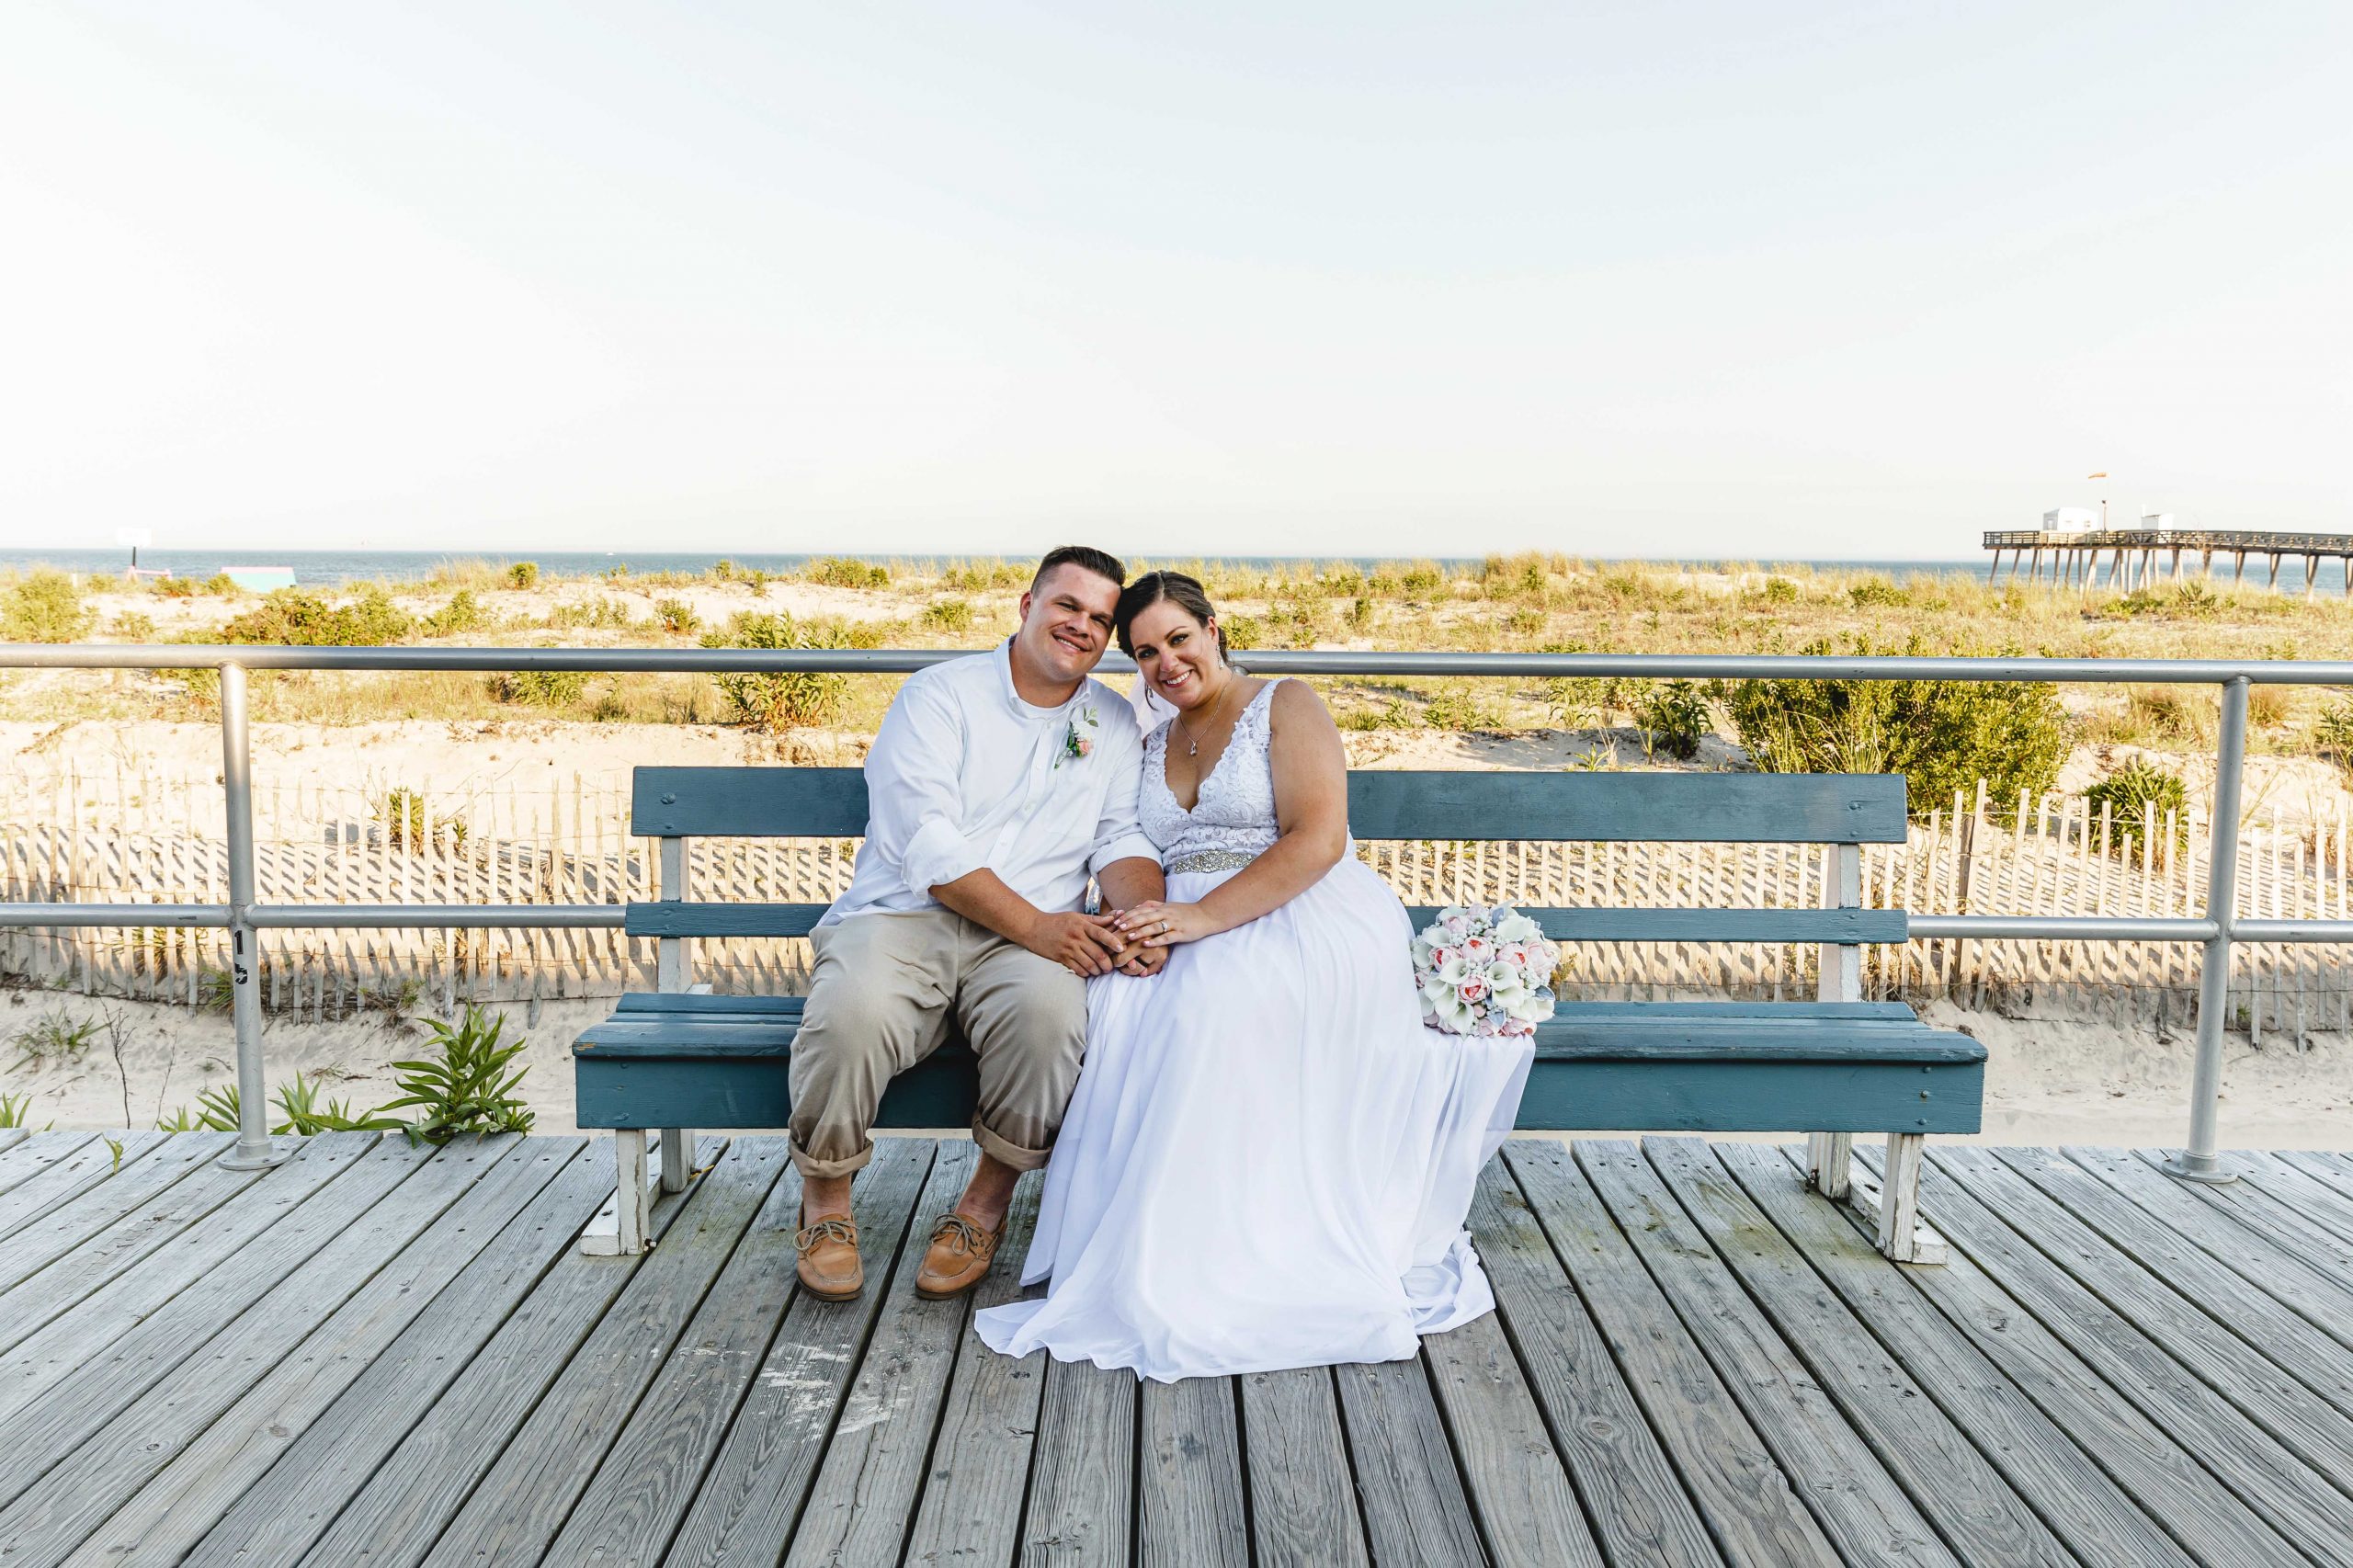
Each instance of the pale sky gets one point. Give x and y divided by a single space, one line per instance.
1627 279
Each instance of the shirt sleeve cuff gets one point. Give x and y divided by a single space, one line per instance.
937 854
1127 846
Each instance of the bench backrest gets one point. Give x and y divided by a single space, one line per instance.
1847 810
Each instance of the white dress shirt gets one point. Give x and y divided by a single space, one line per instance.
964 774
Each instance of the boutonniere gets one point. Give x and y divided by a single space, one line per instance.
1079 740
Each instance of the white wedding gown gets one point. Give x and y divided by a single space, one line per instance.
1267 1158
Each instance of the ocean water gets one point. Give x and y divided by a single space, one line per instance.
329 567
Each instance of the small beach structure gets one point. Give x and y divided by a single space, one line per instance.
2066 554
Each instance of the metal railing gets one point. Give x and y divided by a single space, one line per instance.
2215 930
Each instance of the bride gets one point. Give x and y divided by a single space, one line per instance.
1267 1158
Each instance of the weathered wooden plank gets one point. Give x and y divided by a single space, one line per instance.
757 1486
1302 1494
191 1444
864 1496
1597 924
36 1154
988 1424
10 1137
2198 1508
274 1520
1528 1513
61 1230
2066 1490
2287 1196
1858 1502
633 1503
1766 808
55 1389
541 1470
2315 1281
1966 1500
2295 1317
105 1257
1082 1468
105 1156
1730 1473
2251 1465
1189 1480
435 1466
1415 1508
2225 1363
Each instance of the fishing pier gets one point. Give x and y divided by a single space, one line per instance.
2125 560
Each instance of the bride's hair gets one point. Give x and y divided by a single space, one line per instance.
1185 593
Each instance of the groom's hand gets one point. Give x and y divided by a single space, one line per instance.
1142 960
1083 944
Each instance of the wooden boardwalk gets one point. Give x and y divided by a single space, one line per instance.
386 1355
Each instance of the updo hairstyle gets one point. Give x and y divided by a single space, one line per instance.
1185 593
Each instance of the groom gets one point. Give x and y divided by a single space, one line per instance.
996 785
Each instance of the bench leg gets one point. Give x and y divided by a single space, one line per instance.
677 1158
623 1227
1829 1162
1901 1235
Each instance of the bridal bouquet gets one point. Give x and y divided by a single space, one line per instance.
1485 972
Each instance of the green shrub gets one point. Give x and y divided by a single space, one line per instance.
1779 591
466 1087
305 1116
132 627
53 1037
676 617
1942 736
409 825
782 699
540 688
2333 732
1673 716
2130 793
1360 613
13 1108
523 574
176 587
1421 577
953 617
291 618
841 572
463 613
1876 591
216 1111
44 608
1462 705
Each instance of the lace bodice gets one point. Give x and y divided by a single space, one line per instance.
1236 809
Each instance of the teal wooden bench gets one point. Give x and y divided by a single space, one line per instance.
677 1058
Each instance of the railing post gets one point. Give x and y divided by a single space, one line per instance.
2197 1162
253 1149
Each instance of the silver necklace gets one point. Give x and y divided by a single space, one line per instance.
1192 746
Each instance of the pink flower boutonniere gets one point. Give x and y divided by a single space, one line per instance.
1078 741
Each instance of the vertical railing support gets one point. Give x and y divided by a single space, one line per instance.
253 1149
2199 1162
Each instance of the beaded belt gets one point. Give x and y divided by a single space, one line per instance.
1209 860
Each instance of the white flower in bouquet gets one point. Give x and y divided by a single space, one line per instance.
1484 972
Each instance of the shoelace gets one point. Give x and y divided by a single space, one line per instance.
973 1236
810 1235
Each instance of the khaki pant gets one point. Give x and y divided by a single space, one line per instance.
884 992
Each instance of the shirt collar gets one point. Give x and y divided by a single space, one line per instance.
1014 702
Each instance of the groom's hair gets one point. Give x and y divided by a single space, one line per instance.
1083 555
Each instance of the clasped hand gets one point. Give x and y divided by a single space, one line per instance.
1159 925
1089 945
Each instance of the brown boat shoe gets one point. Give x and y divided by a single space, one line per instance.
958 1258
829 1268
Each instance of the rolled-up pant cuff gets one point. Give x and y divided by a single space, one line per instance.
808 1165
1012 1156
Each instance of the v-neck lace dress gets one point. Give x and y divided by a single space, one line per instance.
1268 1159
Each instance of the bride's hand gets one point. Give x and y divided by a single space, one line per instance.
1161 925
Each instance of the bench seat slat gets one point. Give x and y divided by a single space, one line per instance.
680 918
684 1034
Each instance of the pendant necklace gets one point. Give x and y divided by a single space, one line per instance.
1192 746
